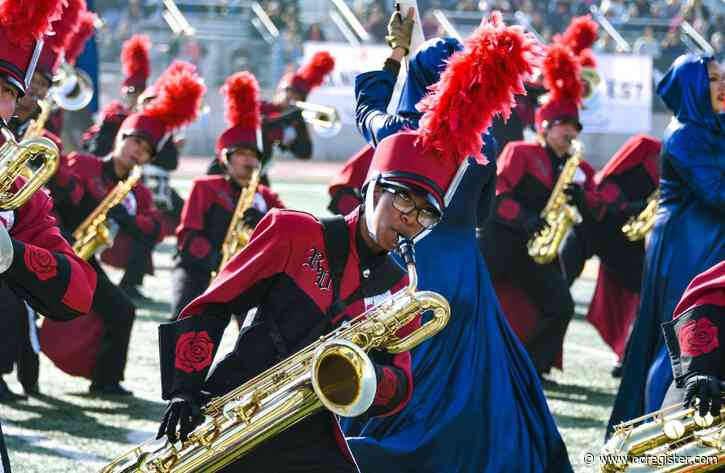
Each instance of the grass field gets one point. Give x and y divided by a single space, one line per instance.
66 431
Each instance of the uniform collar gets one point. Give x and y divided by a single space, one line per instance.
108 171
367 260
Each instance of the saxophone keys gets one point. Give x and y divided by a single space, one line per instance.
673 429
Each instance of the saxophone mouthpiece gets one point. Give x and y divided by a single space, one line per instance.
406 249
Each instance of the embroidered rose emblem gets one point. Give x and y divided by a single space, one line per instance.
698 337
194 351
40 262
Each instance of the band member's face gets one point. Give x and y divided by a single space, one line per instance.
38 90
133 150
8 99
241 164
390 222
717 86
286 96
559 137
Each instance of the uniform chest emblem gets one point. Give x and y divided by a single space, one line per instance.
314 261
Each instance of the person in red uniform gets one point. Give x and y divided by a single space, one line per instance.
37 265
303 286
526 175
213 199
622 189
282 123
345 187
695 338
140 136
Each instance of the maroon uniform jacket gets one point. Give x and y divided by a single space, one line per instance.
526 175
284 272
345 188
206 217
91 180
45 271
624 180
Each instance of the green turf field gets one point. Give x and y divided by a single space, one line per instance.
66 431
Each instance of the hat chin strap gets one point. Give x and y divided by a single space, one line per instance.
370 209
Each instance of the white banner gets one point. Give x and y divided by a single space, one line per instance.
623 101
339 88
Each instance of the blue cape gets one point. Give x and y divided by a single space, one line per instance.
688 236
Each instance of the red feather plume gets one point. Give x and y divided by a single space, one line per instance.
562 73
29 19
135 58
314 72
113 108
581 34
587 59
241 99
67 25
77 41
178 99
478 83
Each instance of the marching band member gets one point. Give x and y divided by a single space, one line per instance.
694 339
476 358
139 137
36 263
527 173
622 189
132 254
213 199
282 123
688 236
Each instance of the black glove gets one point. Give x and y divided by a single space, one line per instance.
120 214
575 196
534 224
707 390
252 216
634 208
182 412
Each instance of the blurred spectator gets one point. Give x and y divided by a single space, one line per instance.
314 33
559 18
641 9
647 44
377 23
614 9
716 41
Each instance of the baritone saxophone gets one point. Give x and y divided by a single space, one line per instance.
333 373
673 439
559 215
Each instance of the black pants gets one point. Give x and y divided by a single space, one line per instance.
118 314
15 346
137 264
507 258
186 285
308 447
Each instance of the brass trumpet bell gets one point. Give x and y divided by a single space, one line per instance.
324 120
72 88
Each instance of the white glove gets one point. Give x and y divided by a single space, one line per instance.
6 250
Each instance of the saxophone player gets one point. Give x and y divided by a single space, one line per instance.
210 208
36 263
307 277
526 175
140 137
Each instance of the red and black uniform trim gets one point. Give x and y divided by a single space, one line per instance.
284 271
204 223
93 180
45 271
695 338
527 173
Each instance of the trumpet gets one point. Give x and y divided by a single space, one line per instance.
14 158
72 88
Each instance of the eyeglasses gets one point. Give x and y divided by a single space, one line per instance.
404 203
